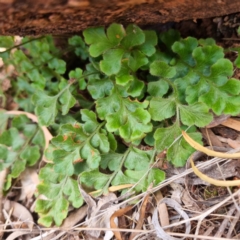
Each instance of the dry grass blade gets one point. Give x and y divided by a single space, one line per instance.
207 151
119 187
112 189
233 224
141 217
118 214
208 232
225 222
203 237
212 180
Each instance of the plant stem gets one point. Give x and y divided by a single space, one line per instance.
21 44
175 92
177 115
71 83
116 172
98 128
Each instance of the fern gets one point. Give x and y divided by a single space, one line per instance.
130 89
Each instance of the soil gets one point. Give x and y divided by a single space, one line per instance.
41 17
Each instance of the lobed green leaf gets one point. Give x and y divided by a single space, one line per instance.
162 108
178 150
46 108
196 114
129 117
100 42
94 179
60 191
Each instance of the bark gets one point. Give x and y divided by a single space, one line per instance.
38 17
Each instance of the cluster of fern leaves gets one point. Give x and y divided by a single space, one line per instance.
130 90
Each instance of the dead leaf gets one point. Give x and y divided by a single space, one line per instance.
16 234
211 138
232 123
189 202
19 212
175 205
222 139
29 181
99 213
118 213
74 217
217 120
162 210
5 84
176 192
233 143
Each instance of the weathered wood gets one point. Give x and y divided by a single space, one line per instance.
28 17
